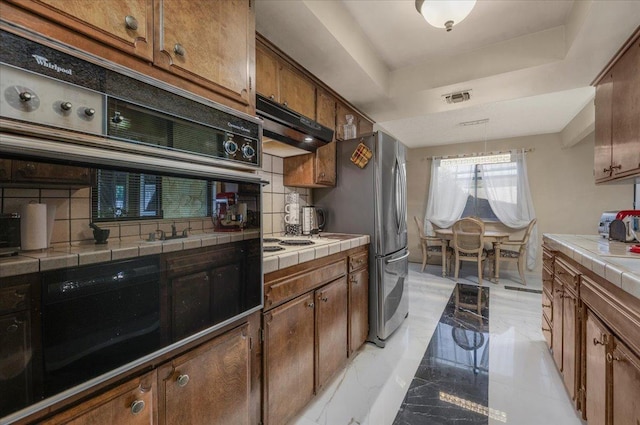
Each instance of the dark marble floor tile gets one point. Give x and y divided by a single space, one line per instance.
451 385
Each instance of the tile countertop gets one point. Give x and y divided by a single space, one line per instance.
80 255
322 246
608 259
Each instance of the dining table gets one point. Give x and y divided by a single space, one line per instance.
492 236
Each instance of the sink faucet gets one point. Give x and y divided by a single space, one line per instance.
184 232
173 230
162 234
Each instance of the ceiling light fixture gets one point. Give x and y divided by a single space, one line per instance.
457 97
444 13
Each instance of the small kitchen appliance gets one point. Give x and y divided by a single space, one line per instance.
9 233
313 220
626 226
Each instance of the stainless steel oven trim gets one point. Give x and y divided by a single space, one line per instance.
117 155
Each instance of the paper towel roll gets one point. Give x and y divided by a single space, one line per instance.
51 219
33 226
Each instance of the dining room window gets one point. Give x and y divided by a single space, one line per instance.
478 204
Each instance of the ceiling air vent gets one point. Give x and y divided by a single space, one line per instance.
457 97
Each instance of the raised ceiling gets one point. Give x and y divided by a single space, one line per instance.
528 63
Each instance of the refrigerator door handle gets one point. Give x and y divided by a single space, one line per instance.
395 260
398 196
403 174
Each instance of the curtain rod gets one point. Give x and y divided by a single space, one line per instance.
466 155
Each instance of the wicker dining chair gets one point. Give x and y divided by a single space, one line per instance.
468 244
431 246
514 251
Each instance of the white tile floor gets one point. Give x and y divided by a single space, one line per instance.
524 385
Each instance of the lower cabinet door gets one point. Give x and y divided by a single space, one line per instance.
358 309
596 343
556 323
626 386
331 329
569 346
132 403
209 385
288 359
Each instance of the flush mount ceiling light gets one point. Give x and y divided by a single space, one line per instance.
457 97
444 13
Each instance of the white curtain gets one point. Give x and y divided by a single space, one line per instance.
448 193
508 193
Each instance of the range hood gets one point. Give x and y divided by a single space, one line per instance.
287 133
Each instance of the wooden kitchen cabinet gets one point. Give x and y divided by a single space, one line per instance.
597 345
325 109
209 42
312 170
282 83
209 385
5 169
331 329
625 407
54 174
124 24
364 126
309 313
132 403
617 128
288 359
557 306
358 300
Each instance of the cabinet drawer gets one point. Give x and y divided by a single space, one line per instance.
567 275
14 298
358 261
547 307
285 289
547 259
546 331
547 280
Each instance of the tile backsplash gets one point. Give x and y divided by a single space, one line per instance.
274 195
73 210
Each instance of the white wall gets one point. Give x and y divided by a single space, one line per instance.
565 196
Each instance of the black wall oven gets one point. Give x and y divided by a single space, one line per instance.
97 318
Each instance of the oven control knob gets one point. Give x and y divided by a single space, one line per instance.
89 112
230 147
117 118
66 106
248 151
25 96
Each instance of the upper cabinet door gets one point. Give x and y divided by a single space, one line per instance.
626 112
123 24
602 149
208 42
297 92
325 109
267 74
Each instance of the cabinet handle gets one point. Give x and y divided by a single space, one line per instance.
310 305
606 170
545 329
183 380
611 358
616 167
137 407
179 50
546 305
325 299
601 341
29 169
131 22
322 174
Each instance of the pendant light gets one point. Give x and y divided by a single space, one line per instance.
444 13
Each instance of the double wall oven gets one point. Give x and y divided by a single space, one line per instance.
91 323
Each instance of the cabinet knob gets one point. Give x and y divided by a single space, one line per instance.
25 96
179 50
310 305
183 380
325 299
601 341
137 406
322 174
285 103
272 97
66 106
131 22
29 169
611 358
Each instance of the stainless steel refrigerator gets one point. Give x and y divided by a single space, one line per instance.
373 200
